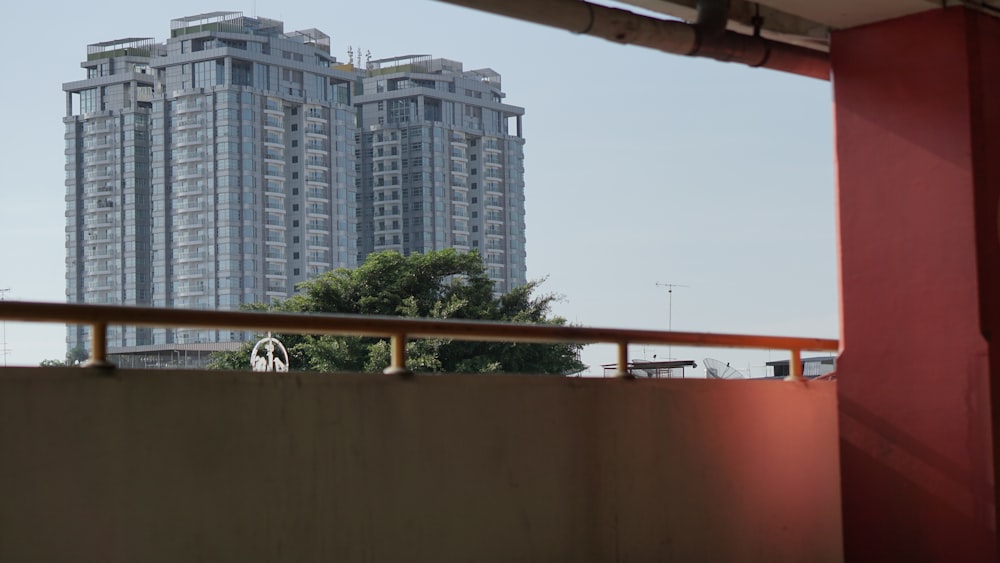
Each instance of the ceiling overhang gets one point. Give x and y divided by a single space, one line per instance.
807 22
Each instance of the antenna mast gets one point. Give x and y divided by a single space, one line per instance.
670 309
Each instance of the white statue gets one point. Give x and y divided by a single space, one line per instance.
269 362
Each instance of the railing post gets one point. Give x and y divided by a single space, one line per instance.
397 365
98 347
622 359
795 366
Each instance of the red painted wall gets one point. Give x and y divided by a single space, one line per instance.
917 123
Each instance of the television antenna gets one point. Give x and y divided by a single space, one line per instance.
670 309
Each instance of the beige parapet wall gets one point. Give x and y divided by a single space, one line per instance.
148 466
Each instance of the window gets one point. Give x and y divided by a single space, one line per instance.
242 73
88 100
402 110
208 73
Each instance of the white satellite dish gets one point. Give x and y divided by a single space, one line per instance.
714 369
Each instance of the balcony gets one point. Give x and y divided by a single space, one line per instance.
308 466
191 122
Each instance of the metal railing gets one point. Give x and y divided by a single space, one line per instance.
397 329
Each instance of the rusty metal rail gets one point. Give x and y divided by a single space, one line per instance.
397 329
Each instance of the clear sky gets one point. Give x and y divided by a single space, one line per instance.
640 167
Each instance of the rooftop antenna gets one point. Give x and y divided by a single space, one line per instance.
350 55
4 350
670 309
714 369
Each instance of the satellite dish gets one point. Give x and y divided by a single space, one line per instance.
714 369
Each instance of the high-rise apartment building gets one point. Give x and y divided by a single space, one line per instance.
441 163
210 171
234 160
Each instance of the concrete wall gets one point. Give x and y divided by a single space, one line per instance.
190 466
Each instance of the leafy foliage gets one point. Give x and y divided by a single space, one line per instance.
442 285
74 357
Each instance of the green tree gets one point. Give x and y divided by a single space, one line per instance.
444 285
74 357
77 356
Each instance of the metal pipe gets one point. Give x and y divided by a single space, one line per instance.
98 347
622 359
713 15
397 365
676 37
386 327
396 328
795 366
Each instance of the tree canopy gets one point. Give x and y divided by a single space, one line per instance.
443 285
74 357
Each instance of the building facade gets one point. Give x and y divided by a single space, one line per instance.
213 170
108 155
235 160
441 163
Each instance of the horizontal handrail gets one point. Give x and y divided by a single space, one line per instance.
398 329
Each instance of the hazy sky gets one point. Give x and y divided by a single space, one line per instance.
640 167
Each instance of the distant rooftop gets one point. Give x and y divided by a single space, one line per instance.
229 22
313 37
815 359
207 17
137 46
402 63
400 60
487 75
428 65
654 369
